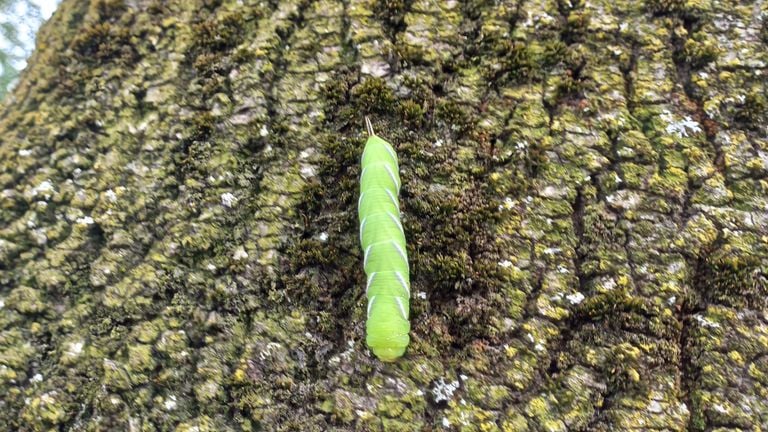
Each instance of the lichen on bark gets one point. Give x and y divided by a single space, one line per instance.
584 197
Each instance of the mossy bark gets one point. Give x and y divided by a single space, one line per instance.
584 197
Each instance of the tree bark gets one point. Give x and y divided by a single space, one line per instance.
584 198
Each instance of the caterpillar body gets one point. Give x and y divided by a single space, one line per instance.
385 259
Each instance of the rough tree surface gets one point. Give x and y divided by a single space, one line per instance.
584 196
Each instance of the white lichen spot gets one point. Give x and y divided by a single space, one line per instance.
554 192
228 199
624 199
48 398
25 152
264 131
45 189
705 322
375 68
681 128
422 295
505 264
446 423
242 118
539 347
721 409
562 270
323 236
508 204
464 418
74 349
240 254
269 349
444 391
133 424
438 143
37 378
655 407
2 303
575 298
609 284
551 251
307 171
111 195
170 403
684 408
671 300
211 267
40 237
85 220
530 338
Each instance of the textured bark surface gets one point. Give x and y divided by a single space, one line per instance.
584 196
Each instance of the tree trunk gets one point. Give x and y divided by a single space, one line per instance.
584 198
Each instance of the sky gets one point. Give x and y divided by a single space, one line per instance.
19 22
46 7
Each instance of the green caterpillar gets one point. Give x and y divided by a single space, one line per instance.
385 259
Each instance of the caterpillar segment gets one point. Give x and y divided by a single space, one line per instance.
385 257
